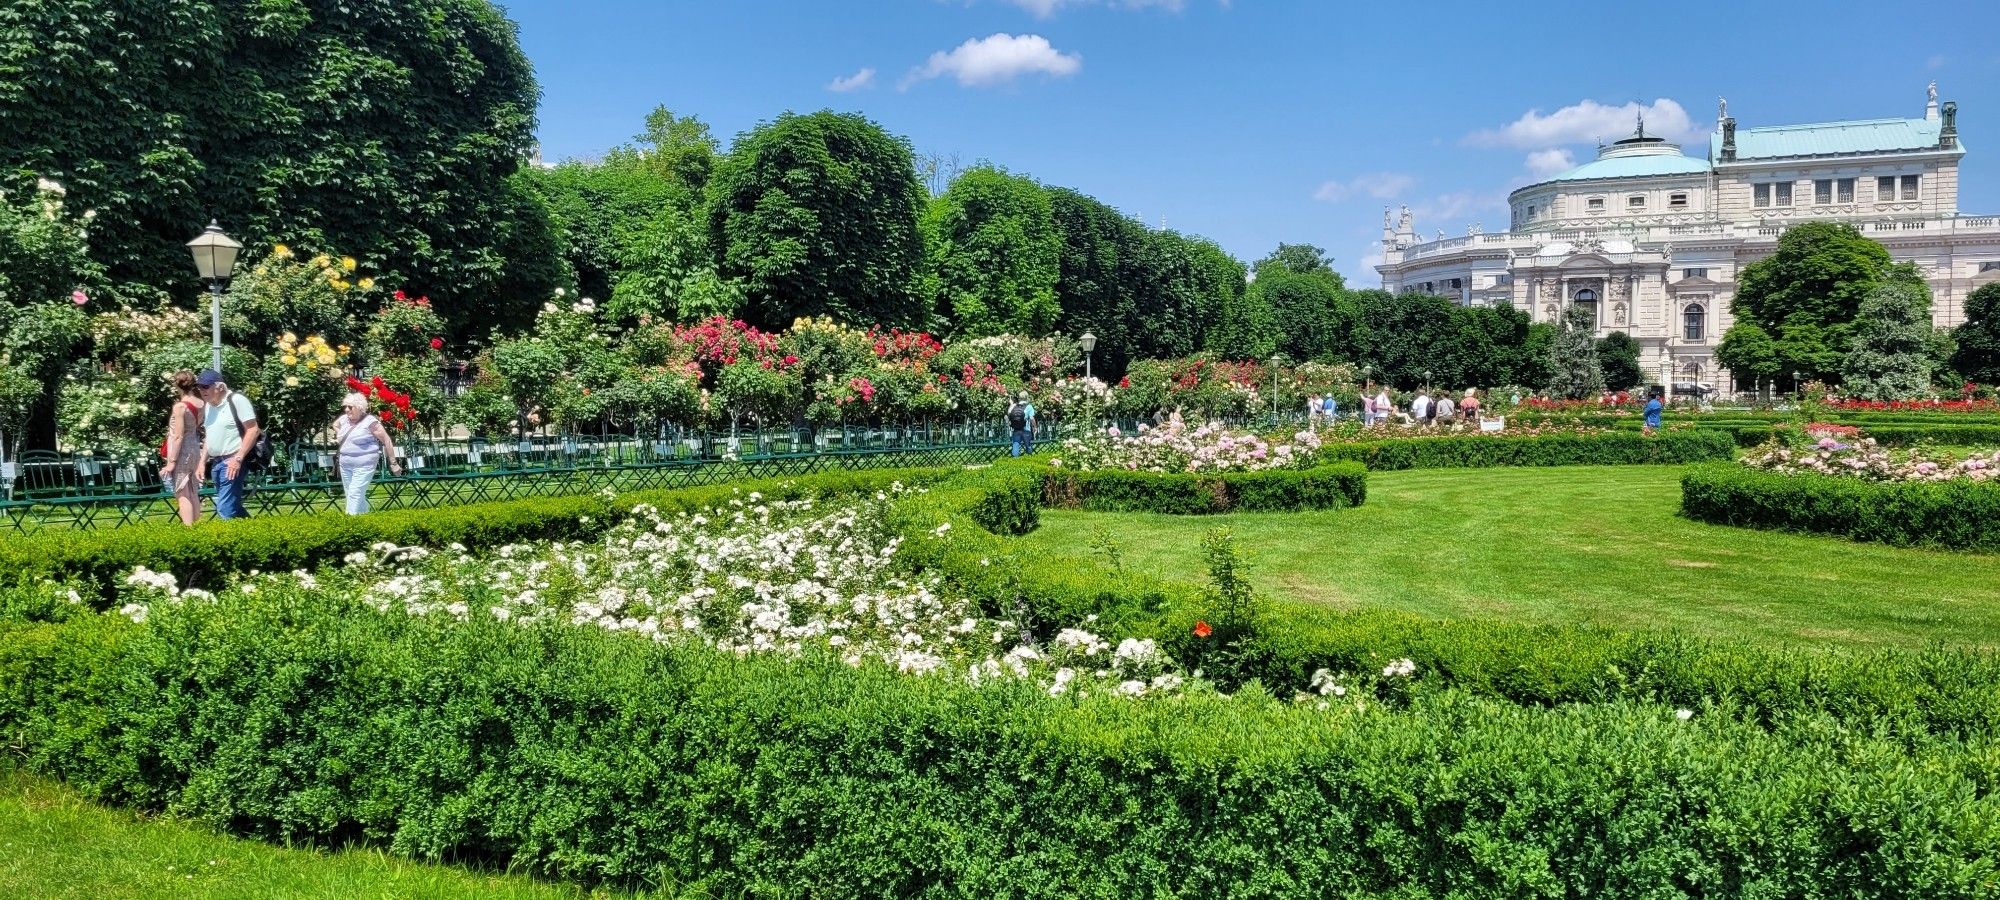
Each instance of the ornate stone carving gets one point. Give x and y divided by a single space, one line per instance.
1618 314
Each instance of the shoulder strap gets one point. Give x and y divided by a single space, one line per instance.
230 401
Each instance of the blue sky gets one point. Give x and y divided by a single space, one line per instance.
1257 122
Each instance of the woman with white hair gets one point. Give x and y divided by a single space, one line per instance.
362 441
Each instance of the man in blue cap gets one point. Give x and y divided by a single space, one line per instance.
230 429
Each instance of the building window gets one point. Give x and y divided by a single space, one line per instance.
1596 203
1586 296
1457 284
1531 213
1677 201
1993 266
1885 188
1844 190
1694 273
1772 193
1909 187
1823 191
1692 321
1637 201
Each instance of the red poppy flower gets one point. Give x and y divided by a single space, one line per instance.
1201 629
437 343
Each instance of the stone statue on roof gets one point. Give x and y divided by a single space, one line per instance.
1721 108
1931 92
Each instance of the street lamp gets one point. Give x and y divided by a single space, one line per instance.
1798 387
1089 342
215 259
1427 380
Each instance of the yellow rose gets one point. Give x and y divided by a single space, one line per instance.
291 360
321 261
339 285
325 358
281 251
291 381
367 284
344 348
347 262
288 337
311 364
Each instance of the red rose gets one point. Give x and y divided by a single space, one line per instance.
437 343
1201 629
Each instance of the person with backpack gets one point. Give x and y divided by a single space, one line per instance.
361 442
1329 409
1021 421
181 451
231 437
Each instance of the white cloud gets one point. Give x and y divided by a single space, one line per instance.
1046 8
997 59
1551 161
854 82
1379 185
1589 122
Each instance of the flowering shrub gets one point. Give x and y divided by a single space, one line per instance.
405 326
393 408
325 294
1964 405
299 387
1175 447
1836 450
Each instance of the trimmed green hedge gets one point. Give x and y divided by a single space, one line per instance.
211 551
1954 515
570 752
1481 451
1333 486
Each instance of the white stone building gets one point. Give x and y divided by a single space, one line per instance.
1653 237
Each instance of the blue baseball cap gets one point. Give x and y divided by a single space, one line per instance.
208 378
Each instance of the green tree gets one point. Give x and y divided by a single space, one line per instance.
590 204
1301 259
286 120
679 148
1098 249
1750 354
1574 372
1532 368
1890 359
1978 356
993 255
1819 274
1487 345
817 215
1618 358
1402 336
1247 328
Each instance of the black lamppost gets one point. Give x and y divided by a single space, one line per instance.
1798 387
1089 342
1275 360
215 259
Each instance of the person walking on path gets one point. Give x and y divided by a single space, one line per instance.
362 443
1312 411
1021 421
229 430
182 470
1420 408
1653 407
1384 408
1329 409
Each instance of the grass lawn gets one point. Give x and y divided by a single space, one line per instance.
1600 545
54 844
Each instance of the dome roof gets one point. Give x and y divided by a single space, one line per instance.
1635 167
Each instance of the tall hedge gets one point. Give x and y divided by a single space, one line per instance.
1953 515
1333 486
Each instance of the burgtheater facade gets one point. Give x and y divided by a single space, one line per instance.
1652 238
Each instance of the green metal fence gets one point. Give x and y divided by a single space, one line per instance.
44 490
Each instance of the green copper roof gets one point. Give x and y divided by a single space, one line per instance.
1635 167
1831 139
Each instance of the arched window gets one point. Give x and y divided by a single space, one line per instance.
1586 296
1692 322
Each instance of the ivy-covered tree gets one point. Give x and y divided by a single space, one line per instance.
1402 336
992 255
817 215
1574 372
1977 358
386 129
1098 249
1890 358
1618 358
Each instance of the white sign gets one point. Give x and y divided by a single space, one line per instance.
6 471
1499 424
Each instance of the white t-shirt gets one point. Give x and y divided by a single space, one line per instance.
1421 406
221 427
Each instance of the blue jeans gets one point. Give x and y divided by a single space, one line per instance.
1024 441
228 491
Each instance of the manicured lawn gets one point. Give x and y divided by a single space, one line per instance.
53 844
1587 544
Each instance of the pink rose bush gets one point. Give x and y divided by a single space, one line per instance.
1860 457
1176 447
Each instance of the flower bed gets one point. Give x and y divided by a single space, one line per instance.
1333 486
1871 499
1563 448
568 737
1841 450
1175 447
